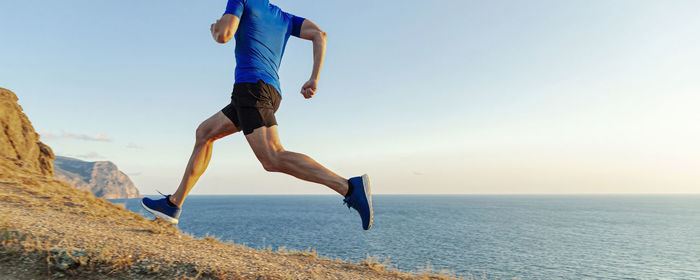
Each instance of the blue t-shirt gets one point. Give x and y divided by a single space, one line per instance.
261 37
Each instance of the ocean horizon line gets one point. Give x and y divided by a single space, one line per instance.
447 194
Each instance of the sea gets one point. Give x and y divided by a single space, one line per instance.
499 236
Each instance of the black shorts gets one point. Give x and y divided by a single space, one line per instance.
253 105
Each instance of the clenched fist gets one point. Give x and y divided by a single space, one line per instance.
309 88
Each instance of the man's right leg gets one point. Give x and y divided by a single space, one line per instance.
216 127
169 207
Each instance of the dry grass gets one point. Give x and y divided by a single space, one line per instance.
51 230
373 263
309 252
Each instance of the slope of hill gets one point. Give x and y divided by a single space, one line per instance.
101 178
50 230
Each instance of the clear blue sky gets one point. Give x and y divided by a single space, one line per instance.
425 96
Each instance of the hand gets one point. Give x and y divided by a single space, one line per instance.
212 29
309 88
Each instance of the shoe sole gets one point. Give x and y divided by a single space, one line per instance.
368 196
159 214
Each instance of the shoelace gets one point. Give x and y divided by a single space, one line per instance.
347 202
166 198
161 193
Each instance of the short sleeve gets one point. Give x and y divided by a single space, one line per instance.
235 7
296 25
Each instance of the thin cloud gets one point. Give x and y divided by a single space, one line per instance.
90 155
417 173
47 135
100 137
133 145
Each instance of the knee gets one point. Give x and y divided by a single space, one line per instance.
273 162
203 134
270 164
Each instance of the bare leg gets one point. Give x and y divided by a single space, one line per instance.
267 148
217 126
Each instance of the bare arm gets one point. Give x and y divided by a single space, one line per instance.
312 32
223 29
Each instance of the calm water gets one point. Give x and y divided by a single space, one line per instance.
529 237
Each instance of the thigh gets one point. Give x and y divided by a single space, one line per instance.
217 126
264 141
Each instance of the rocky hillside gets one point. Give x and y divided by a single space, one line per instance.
19 143
101 178
50 230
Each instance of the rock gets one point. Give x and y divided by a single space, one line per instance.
46 157
101 178
64 259
19 142
20 145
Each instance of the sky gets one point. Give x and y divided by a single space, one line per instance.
443 97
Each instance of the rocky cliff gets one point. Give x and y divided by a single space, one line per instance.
102 178
19 143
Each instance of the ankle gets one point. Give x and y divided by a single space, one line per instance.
348 188
171 201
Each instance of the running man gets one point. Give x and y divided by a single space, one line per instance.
261 31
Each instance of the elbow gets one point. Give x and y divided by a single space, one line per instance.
320 36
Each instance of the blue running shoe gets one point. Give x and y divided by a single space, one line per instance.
160 208
361 200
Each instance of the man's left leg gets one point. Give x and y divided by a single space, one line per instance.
267 148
